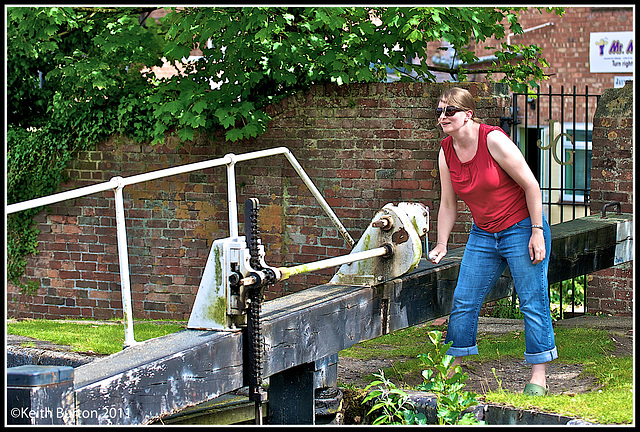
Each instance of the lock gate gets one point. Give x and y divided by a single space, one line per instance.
303 332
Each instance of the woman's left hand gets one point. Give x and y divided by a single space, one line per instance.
537 249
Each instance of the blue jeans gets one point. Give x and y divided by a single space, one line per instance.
486 256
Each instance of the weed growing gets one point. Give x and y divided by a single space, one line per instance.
610 403
391 404
446 381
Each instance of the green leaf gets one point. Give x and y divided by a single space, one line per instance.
427 374
415 36
199 106
186 134
233 135
177 52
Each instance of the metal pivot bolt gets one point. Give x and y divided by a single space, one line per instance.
389 250
385 223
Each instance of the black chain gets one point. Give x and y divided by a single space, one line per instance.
256 345
255 297
252 232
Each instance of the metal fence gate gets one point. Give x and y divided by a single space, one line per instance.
553 131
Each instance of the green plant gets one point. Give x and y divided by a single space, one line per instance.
447 382
591 348
441 378
498 379
73 79
391 403
570 291
507 307
354 409
256 56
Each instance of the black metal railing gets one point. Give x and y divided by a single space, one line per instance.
553 130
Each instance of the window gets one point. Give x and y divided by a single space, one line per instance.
577 175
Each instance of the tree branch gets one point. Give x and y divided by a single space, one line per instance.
107 11
113 10
457 71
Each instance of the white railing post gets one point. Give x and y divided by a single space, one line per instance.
232 199
316 193
123 256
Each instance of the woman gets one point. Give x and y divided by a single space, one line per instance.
481 165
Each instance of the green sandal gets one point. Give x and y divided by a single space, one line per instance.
531 389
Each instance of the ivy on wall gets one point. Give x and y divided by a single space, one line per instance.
73 80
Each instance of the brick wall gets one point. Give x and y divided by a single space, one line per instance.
611 290
363 145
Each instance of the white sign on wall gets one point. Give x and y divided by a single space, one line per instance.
619 81
611 52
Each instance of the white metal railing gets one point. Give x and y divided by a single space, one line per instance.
118 184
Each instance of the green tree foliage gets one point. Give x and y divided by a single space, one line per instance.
76 75
73 78
255 56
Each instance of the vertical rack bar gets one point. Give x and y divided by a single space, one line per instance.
549 165
562 159
587 188
575 162
550 171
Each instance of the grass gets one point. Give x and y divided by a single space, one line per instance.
91 337
574 345
611 404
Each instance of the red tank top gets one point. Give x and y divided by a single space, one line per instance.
495 200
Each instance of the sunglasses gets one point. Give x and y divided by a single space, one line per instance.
448 111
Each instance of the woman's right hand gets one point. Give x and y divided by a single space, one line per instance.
437 253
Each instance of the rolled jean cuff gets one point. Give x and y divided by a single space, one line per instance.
461 352
543 357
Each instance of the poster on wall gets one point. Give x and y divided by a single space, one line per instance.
611 52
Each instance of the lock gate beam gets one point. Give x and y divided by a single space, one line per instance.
163 376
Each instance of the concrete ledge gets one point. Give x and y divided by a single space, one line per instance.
494 414
23 350
501 415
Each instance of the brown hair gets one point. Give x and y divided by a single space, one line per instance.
460 98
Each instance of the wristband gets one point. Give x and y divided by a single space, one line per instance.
443 244
537 226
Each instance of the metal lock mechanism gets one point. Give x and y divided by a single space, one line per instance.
401 228
390 247
235 266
